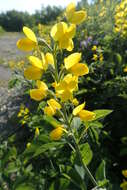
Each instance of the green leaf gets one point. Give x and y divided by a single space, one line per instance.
86 153
118 58
47 146
76 122
80 170
25 186
100 172
51 120
11 167
101 113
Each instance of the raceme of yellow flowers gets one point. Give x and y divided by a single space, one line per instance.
63 85
121 18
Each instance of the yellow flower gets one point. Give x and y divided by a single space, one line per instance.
75 17
49 59
23 111
94 48
101 58
28 43
124 185
48 110
84 115
95 57
37 132
52 108
124 172
65 88
63 34
73 66
39 93
75 101
57 133
125 69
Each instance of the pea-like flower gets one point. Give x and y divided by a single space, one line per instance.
39 93
66 87
37 132
57 133
73 66
38 66
84 115
63 34
28 43
52 107
73 16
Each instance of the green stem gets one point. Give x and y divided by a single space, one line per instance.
84 166
56 69
78 150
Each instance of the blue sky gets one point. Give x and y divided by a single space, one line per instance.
31 5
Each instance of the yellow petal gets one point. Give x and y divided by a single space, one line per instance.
66 95
32 73
124 172
79 69
25 44
41 85
70 10
29 34
70 46
37 132
78 17
72 59
58 30
57 133
53 103
36 62
86 115
48 110
49 58
37 94
78 109
71 31
44 63
66 43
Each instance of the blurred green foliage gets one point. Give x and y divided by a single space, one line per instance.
14 20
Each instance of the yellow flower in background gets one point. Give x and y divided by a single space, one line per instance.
57 133
84 115
101 58
95 57
39 93
65 88
52 108
125 69
37 132
94 48
23 111
73 16
73 66
28 145
63 34
124 185
124 172
28 43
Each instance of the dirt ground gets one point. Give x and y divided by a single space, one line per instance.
8 52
